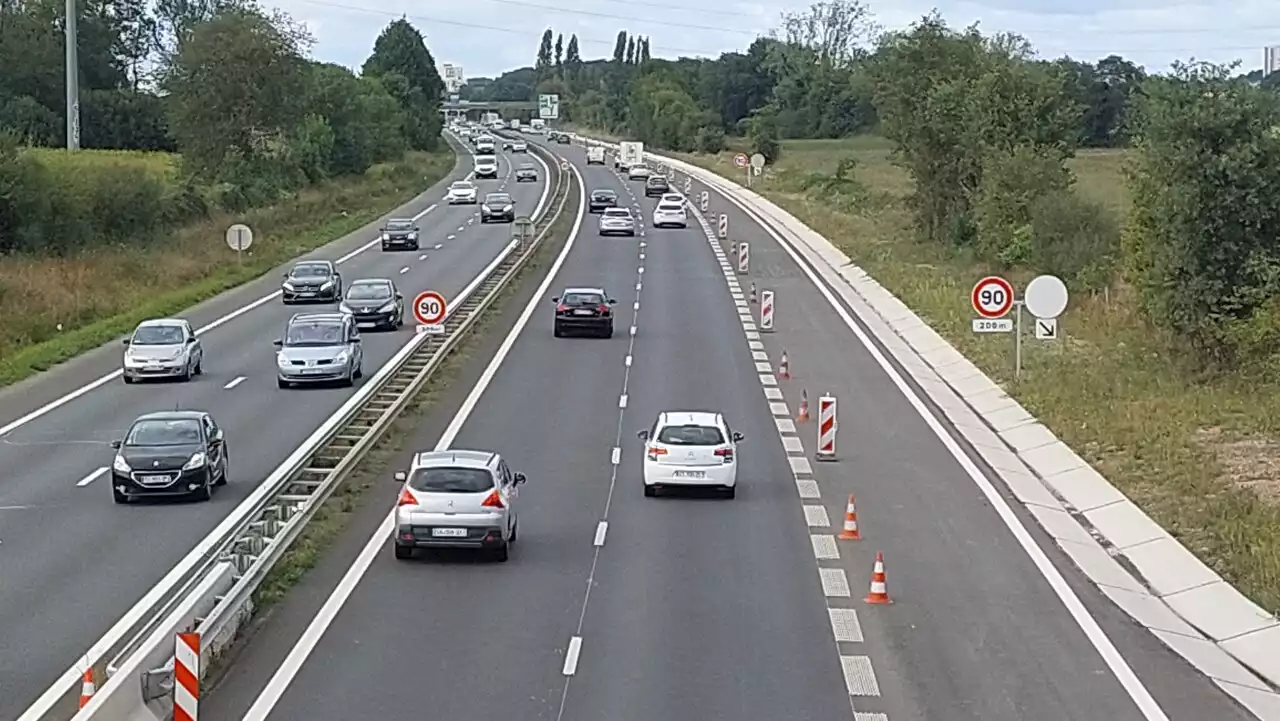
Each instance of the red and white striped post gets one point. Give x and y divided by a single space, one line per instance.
766 311
826 428
744 257
186 677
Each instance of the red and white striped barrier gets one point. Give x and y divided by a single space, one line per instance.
186 677
826 428
744 257
766 311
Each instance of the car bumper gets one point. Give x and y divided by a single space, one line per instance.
670 223
328 375
400 243
183 484
526 178
148 372
325 296
651 192
373 320
497 217
617 231
718 476
570 322
463 201
424 530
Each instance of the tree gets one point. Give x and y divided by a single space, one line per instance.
630 57
573 62
401 51
644 51
620 47
559 58
543 64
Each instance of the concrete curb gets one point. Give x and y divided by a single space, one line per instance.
1132 560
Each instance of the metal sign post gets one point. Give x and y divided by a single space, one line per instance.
757 166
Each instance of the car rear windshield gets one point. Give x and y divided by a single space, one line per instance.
617 213
691 435
670 208
368 291
582 299
451 480
157 335
309 333
603 195
496 198
178 432
310 271
658 181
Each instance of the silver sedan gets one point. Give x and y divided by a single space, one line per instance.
617 221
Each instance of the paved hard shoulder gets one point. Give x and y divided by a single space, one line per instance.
1134 562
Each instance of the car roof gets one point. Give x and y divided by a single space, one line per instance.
604 191
617 211
692 418
455 457
526 166
497 195
373 281
305 263
171 416
400 220
318 316
161 322
567 291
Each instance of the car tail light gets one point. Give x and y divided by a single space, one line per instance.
493 501
726 454
604 308
406 499
655 452
562 308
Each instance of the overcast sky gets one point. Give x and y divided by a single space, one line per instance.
488 37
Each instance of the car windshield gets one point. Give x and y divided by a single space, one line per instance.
691 435
582 298
604 195
173 432
462 185
369 291
451 480
158 335
313 333
497 199
399 225
315 270
617 213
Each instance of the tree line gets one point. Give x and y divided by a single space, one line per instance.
225 83
985 127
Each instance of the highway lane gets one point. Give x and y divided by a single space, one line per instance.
73 562
693 603
975 631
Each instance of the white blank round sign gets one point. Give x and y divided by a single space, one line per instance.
1046 296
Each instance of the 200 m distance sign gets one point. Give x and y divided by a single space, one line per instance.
992 297
429 308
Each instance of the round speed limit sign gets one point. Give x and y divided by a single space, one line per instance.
429 307
992 297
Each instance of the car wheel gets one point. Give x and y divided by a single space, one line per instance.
502 553
515 531
403 552
730 492
186 373
557 331
200 366
650 491
127 379
222 477
203 493
119 497
415 247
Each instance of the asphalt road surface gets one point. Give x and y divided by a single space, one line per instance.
71 561
701 609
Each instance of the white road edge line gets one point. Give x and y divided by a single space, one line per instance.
92 477
292 663
234 382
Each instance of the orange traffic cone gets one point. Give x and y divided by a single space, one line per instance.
879 594
784 367
850 532
87 689
802 415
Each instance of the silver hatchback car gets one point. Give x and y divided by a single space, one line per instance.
319 348
457 499
617 221
162 348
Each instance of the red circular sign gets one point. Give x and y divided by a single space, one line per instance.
741 160
429 307
992 297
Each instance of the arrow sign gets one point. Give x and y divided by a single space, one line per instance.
1046 328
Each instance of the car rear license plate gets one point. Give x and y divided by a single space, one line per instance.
366 324
582 312
689 474
312 371
153 367
154 479
449 532
305 295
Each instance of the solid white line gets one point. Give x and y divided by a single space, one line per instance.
616 457
292 663
571 656
234 382
601 529
1132 685
92 477
622 401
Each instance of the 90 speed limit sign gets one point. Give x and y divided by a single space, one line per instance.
429 308
992 297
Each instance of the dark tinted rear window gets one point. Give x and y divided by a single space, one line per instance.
451 480
604 195
582 299
691 436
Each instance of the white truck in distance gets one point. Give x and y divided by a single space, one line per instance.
629 153
537 125
595 156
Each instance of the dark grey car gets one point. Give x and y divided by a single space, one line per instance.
400 233
312 281
498 208
375 303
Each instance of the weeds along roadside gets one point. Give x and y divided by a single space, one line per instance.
442 394
1202 459
101 294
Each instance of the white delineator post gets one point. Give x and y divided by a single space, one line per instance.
186 677
744 257
766 311
826 428
703 201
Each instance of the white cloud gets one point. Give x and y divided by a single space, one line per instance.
488 37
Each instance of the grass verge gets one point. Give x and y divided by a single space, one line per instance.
103 294
1200 457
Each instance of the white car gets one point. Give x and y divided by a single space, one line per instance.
670 215
462 192
519 147
162 348
486 166
638 172
690 449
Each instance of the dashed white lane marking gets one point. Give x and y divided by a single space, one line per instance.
92 477
816 516
622 401
234 382
859 676
800 465
633 330
422 257
438 246
779 409
808 489
773 394
824 547
834 583
404 270
627 361
571 656
755 345
864 716
845 625
450 237
768 379
785 425
461 228
763 367
602 528
792 444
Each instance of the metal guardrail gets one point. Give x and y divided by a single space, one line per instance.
301 485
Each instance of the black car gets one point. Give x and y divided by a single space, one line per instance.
656 185
312 281
498 208
552 136
562 138
170 453
400 233
584 309
526 173
601 199
375 303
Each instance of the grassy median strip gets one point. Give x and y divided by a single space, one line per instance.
332 517
1201 457
103 293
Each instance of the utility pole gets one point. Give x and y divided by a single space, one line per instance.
73 80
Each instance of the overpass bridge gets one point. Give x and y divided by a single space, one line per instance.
509 109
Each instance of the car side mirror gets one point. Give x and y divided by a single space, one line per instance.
520 478
555 299
737 437
613 301
116 445
643 435
278 343
356 339
220 435
400 476
191 340
399 296
124 342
